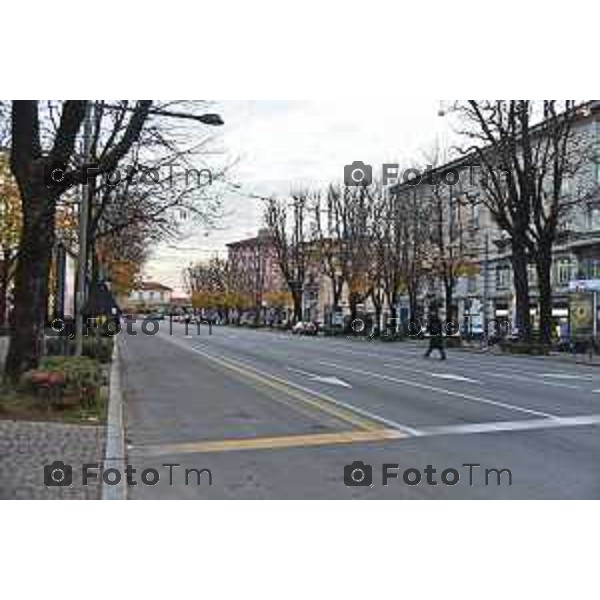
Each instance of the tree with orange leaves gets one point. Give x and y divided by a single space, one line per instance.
10 231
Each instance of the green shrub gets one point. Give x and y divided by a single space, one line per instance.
99 348
531 348
66 380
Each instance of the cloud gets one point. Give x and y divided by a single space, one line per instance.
285 144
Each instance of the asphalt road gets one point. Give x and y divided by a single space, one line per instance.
259 414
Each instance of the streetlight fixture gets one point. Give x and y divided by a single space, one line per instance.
211 119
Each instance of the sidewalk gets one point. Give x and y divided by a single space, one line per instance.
27 446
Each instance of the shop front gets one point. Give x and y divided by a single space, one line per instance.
583 308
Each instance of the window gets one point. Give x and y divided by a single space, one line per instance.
592 268
564 270
592 217
502 277
474 218
532 275
472 285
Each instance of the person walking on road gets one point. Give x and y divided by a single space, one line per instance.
436 336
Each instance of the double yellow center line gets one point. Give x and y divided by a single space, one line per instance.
365 428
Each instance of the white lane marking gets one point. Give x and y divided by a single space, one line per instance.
335 401
451 377
510 365
566 376
515 377
446 376
430 388
503 426
512 377
322 378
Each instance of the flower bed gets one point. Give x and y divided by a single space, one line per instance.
62 382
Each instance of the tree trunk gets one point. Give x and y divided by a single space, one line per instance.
449 299
412 302
378 311
336 290
298 316
521 282
4 281
544 273
31 282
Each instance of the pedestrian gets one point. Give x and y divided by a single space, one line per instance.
436 336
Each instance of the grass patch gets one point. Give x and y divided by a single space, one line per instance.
25 406
80 396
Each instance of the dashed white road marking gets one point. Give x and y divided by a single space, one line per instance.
515 377
451 377
330 379
444 391
349 407
504 426
566 376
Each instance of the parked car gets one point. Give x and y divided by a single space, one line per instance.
156 316
305 328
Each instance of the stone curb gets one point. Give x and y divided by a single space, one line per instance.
115 434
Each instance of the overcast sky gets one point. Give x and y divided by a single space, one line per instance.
280 145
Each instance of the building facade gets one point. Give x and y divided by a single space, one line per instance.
148 296
487 293
257 273
468 242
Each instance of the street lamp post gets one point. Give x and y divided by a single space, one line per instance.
84 212
485 287
212 119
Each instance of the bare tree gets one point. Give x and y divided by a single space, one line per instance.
526 151
140 138
408 245
33 155
291 234
451 249
330 218
345 242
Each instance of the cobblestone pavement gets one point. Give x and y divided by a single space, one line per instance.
25 447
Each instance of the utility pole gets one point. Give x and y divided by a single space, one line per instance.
485 286
84 212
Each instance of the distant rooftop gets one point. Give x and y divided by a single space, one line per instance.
263 236
150 286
